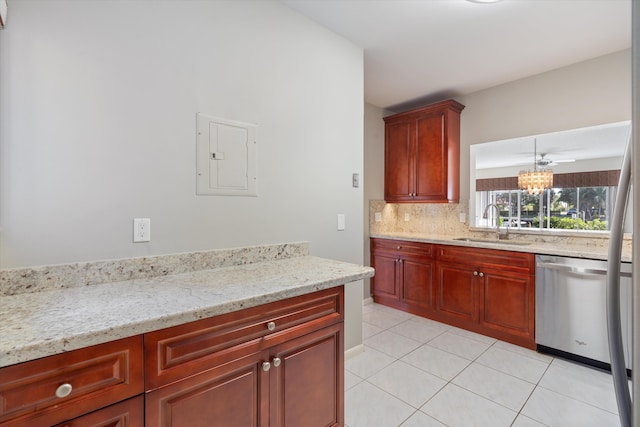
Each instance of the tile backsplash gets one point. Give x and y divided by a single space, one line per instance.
422 218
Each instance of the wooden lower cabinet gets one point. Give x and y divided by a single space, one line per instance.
507 305
457 292
404 275
52 390
385 284
276 365
231 395
307 388
129 413
487 291
297 383
289 371
417 287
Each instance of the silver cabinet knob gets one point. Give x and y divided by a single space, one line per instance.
64 390
276 361
398 247
271 326
481 274
266 366
475 273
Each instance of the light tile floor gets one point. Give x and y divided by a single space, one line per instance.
415 372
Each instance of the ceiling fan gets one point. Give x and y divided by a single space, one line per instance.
544 162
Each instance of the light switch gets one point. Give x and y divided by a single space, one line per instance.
463 217
340 222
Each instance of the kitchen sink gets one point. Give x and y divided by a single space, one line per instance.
499 242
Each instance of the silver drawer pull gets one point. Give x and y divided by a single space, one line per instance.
64 390
276 361
271 326
266 366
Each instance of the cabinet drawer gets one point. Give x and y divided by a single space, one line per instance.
96 376
129 413
188 349
401 247
518 262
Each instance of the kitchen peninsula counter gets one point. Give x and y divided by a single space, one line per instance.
577 247
47 322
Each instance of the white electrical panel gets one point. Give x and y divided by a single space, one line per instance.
226 157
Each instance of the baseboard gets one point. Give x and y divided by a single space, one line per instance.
353 351
367 301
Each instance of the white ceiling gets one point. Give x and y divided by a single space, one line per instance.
419 51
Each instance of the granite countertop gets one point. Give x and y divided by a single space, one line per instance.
570 247
38 324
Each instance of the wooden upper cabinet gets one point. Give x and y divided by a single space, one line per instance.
422 154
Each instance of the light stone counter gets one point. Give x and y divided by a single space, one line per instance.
544 245
38 324
440 223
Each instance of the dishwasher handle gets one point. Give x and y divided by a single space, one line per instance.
577 270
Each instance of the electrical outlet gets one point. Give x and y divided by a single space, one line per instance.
377 216
407 217
141 230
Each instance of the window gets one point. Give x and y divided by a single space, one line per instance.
577 208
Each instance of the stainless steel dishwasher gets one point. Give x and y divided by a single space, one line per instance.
571 319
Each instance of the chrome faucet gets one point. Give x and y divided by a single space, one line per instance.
485 216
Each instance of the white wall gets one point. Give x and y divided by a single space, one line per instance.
589 93
373 172
97 112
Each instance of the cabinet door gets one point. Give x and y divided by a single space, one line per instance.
430 159
457 294
95 377
234 394
129 413
307 386
385 282
418 291
399 161
507 303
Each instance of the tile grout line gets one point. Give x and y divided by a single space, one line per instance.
495 345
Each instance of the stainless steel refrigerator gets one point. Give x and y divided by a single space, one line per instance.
628 408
